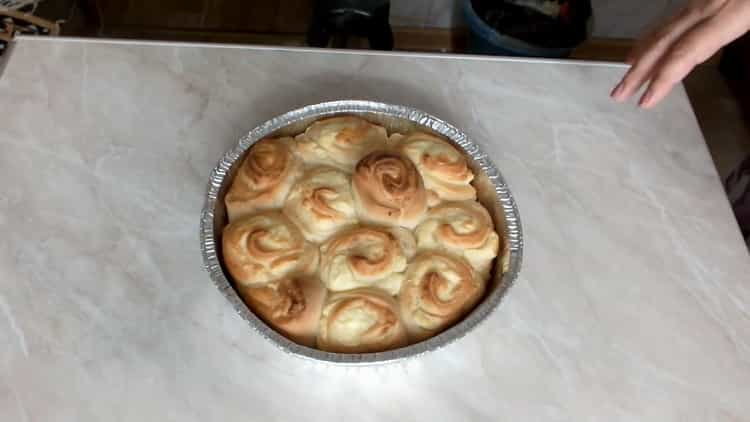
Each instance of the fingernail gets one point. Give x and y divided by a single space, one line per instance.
646 99
617 91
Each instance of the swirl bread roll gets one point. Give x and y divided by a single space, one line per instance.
264 178
263 247
361 321
291 305
444 168
366 256
438 290
321 203
340 141
389 190
464 229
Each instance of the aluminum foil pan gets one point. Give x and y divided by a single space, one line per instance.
492 192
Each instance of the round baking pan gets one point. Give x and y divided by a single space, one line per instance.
492 192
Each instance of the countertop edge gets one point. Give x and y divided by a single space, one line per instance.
444 56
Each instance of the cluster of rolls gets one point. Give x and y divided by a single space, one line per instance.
352 241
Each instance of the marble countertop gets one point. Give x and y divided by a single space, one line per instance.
633 303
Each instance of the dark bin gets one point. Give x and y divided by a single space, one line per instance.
483 39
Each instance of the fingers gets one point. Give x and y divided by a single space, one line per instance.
648 52
695 47
673 69
667 56
667 32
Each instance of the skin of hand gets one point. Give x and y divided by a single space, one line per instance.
666 55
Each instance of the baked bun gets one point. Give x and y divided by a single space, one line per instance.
263 247
291 305
340 141
351 241
389 190
444 168
438 290
462 228
366 256
264 178
321 203
360 321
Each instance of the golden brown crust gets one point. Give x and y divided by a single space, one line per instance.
361 321
265 246
264 178
463 228
321 203
375 266
340 141
388 189
291 305
444 168
366 256
438 290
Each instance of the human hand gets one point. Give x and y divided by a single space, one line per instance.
665 56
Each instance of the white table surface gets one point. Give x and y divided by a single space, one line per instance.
633 303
